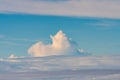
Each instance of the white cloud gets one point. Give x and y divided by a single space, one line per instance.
91 8
83 51
61 45
13 56
59 63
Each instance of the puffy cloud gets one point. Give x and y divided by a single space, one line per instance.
61 45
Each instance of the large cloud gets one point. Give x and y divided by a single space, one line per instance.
61 68
90 8
59 63
61 45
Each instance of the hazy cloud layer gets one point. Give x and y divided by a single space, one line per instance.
61 45
58 63
61 68
90 8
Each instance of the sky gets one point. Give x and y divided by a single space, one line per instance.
94 26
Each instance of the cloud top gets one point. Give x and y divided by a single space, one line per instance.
61 45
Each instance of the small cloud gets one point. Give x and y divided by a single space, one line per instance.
61 45
84 51
13 56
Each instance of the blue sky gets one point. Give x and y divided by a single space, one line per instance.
22 26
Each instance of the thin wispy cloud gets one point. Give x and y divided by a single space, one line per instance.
2 36
90 8
14 39
23 39
17 41
11 43
105 23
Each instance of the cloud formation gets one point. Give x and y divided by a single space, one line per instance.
61 45
59 63
90 8
13 56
